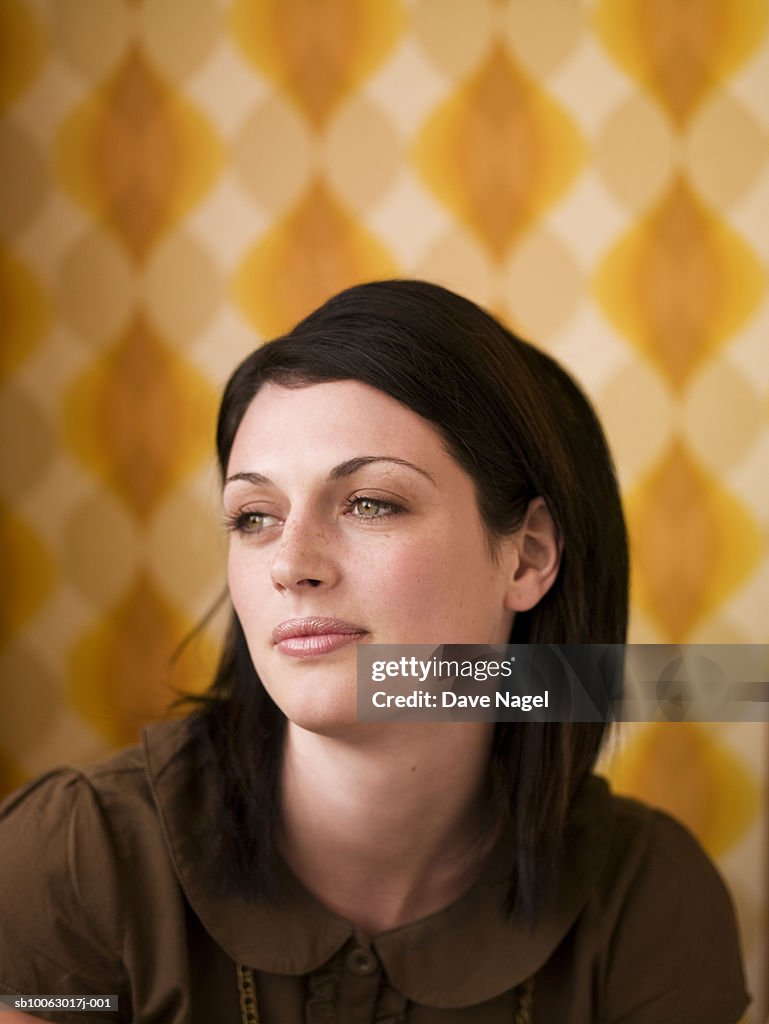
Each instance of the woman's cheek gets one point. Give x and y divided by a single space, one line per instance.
247 580
417 577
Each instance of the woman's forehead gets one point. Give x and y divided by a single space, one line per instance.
345 419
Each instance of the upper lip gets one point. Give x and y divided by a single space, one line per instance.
312 626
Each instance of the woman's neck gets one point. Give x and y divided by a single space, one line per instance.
389 828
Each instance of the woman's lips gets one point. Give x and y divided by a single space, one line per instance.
306 638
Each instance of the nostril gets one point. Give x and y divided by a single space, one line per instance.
311 583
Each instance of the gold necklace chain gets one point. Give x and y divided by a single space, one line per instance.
525 1002
249 1007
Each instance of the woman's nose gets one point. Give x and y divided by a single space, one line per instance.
304 556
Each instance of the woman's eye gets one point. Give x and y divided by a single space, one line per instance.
249 522
372 508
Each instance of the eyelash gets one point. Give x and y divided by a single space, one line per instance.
238 522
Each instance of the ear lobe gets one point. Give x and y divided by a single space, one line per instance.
539 548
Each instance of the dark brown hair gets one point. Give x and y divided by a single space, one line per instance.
521 428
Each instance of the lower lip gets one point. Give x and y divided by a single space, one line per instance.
312 645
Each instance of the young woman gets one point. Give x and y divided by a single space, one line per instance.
398 469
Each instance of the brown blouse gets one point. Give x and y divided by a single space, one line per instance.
108 884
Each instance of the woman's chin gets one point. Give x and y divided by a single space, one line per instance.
331 724
328 711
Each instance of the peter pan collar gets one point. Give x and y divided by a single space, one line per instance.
462 955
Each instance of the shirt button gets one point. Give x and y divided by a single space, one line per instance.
361 963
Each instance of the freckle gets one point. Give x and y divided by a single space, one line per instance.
413 767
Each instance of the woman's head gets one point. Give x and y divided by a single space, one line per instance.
523 433
508 414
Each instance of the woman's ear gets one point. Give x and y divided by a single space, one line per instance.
537 548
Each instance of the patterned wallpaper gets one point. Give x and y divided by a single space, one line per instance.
183 178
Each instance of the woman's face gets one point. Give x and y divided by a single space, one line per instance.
351 524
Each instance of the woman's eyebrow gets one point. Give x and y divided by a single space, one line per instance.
352 465
250 478
346 468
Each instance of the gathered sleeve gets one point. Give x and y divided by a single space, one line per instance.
674 956
60 898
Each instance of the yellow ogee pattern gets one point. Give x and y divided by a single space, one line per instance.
139 417
680 52
136 155
315 251
498 152
680 284
693 544
318 53
183 178
122 664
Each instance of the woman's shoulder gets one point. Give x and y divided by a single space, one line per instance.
101 808
662 920
81 849
636 835
649 847
67 801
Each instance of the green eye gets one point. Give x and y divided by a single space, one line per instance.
372 508
369 508
252 522
249 522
